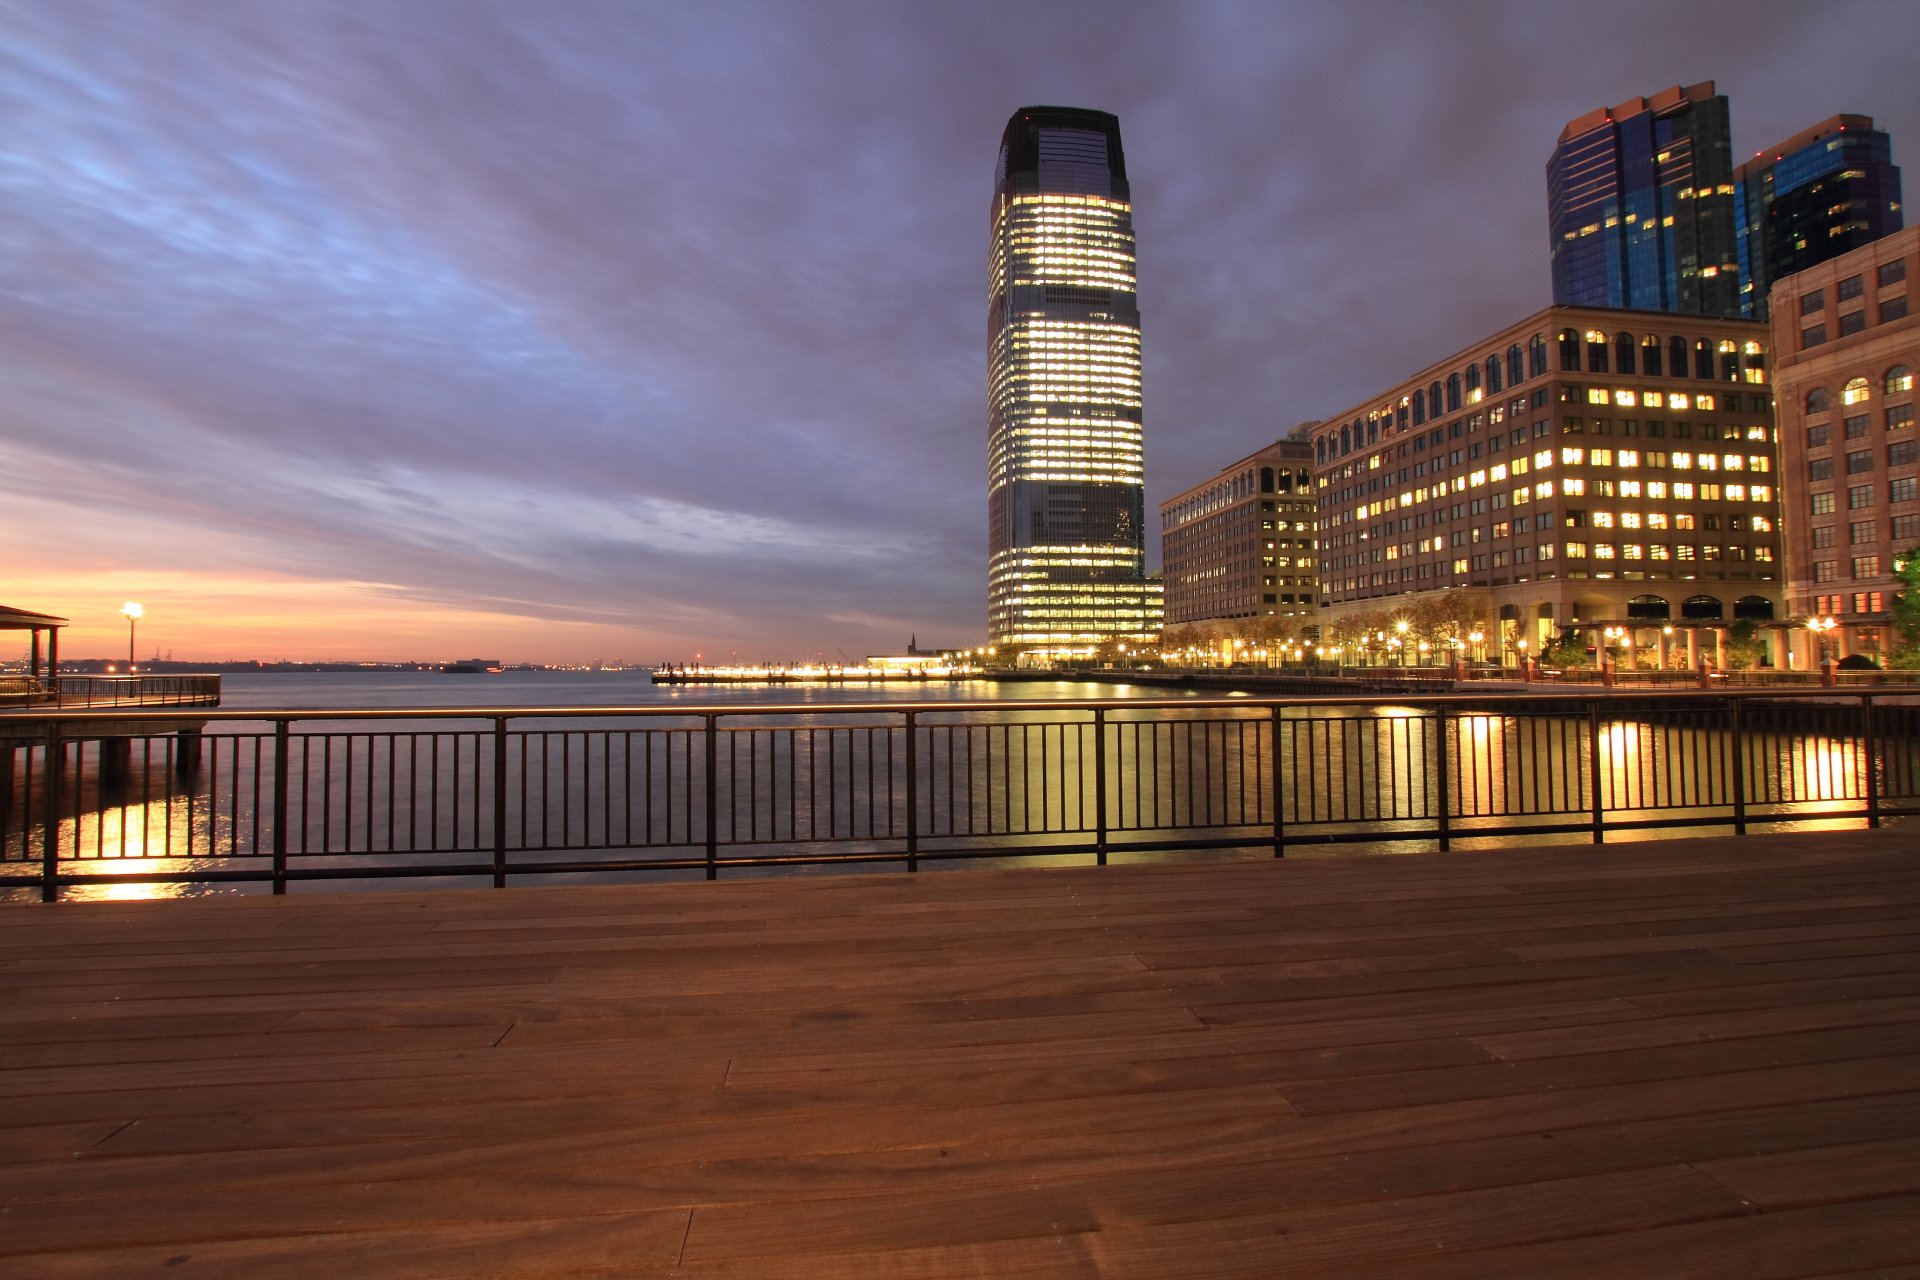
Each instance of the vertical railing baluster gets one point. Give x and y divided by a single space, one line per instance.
1871 750
1100 785
282 736
1441 775
1594 799
713 797
1273 765
913 793
50 814
1736 741
499 801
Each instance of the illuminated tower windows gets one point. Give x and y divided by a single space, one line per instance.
1065 482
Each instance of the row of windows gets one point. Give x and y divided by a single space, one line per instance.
1625 353
1896 381
1860 532
1852 322
1860 496
1899 454
1899 418
1863 567
1853 286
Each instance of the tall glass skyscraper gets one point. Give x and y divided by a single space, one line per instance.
1640 204
1825 191
1065 476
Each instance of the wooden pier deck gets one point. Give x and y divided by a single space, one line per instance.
1674 1059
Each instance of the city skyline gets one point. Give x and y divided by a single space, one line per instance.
334 332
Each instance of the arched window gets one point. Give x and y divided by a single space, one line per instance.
1596 351
1569 351
1729 361
1266 479
1400 415
1856 392
1320 451
1623 352
1493 374
1473 381
1817 400
1703 360
1758 608
1433 400
1649 608
1676 357
1453 392
1536 356
1899 378
1650 356
1700 608
1346 440
1419 408
1516 366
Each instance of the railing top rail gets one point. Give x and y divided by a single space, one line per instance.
1476 699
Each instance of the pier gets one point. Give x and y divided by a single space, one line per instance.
1684 1059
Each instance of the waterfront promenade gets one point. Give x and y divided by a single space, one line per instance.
1695 1058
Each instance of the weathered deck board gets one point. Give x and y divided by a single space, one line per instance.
1674 1058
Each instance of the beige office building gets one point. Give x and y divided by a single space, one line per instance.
1585 468
1241 545
1850 344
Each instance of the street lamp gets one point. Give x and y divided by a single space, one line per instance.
1609 638
133 611
1821 628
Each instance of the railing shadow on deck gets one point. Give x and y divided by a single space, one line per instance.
500 793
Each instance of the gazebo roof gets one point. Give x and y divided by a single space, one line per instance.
12 619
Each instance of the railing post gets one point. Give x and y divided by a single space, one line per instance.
1279 815
281 739
499 802
50 818
913 792
1871 754
1738 747
1441 775
1100 785
1594 773
713 797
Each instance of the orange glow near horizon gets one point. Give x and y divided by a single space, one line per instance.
212 618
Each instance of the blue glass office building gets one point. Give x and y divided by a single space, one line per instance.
1821 193
1640 203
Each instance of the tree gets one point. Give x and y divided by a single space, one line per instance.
1745 647
1906 610
1568 649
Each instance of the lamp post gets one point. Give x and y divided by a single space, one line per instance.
1821 628
1526 661
1608 639
133 611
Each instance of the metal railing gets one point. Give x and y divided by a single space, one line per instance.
505 792
110 691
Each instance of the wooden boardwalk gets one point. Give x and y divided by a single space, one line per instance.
1674 1059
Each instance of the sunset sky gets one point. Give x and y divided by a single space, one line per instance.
553 332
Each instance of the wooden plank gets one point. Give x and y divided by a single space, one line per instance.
1548 1061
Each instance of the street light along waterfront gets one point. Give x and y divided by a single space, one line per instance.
133 611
